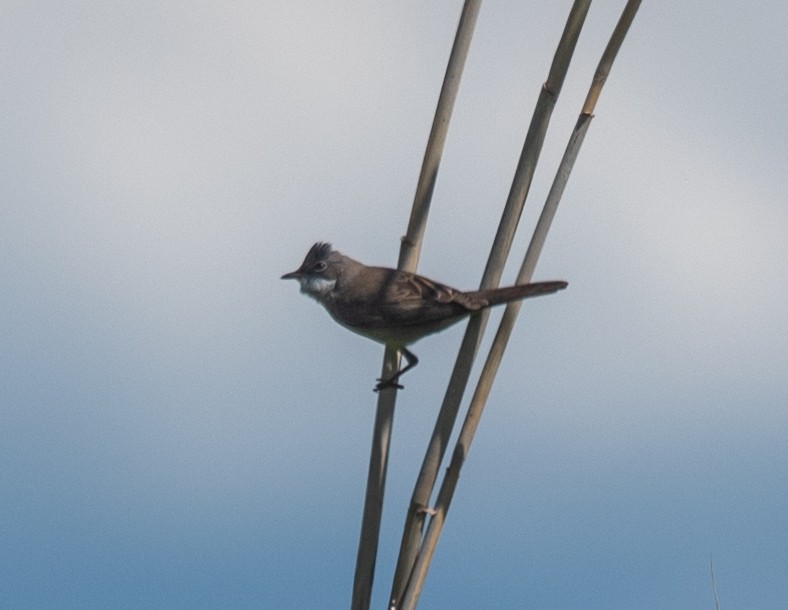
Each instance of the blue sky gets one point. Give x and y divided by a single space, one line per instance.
180 429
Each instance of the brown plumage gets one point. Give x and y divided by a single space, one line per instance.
395 307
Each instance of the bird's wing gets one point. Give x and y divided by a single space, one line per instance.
412 291
409 287
403 301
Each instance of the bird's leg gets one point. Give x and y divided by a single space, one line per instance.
391 382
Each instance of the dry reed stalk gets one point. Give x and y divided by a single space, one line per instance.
408 260
476 408
415 519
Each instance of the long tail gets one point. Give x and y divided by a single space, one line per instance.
495 296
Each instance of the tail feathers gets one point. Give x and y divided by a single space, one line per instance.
496 296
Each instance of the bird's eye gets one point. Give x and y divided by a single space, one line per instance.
319 267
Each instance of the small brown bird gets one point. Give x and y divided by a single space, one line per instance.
394 307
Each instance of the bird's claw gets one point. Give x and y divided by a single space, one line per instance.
384 384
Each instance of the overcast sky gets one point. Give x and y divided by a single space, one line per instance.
181 429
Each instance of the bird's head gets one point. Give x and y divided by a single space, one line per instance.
319 272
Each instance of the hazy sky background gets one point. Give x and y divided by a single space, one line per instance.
181 429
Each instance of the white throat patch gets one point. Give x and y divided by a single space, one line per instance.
317 287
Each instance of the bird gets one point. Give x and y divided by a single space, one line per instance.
393 307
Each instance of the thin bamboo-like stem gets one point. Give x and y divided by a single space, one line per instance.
408 260
484 385
532 147
613 46
376 485
411 242
576 140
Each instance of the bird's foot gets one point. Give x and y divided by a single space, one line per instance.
384 384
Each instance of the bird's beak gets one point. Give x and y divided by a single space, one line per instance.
293 275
